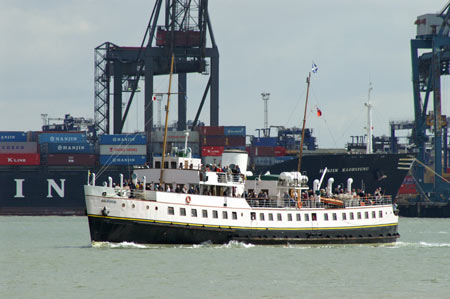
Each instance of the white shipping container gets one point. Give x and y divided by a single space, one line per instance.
108 150
175 136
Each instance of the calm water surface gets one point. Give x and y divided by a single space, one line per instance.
52 257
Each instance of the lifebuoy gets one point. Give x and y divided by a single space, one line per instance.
299 203
188 199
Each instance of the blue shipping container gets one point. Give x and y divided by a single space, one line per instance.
68 148
13 136
284 158
123 139
62 138
265 141
234 130
123 160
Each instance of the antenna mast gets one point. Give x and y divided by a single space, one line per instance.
265 98
369 122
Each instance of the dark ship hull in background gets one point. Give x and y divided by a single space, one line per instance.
368 171
48 190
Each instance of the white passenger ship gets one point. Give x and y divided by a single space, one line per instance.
216 207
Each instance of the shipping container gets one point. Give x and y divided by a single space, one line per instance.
20 159
62 138
235 141
213 140
212 130
280 159
264 141
112 149
123 139
212 151
123 160
71 159
175 136
279 151
264 151
18 147
67 148
13 136
242 148
234 130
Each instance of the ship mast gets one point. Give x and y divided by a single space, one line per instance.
161 177
308 81
369 122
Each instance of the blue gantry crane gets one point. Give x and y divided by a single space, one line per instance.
432 43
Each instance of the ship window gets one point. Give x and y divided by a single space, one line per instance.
344 216
215 214
261 216
123 205
380 214
253 216
205 213
158 164
166 165
279 217
313 216
289 217
306 217
234 215
194 212
352 216
299 218
270 217
366 215
170 211
225 215
173 165
182 212
325 216
334 216
374 214
359 215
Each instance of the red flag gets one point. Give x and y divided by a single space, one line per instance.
319 112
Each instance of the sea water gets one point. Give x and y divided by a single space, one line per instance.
52 257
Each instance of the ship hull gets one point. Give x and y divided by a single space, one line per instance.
368 171
111 229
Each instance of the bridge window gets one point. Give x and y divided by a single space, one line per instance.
182 212
170 211
194 212
157 164
173 165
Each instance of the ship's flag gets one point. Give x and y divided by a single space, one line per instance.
314 68
319 112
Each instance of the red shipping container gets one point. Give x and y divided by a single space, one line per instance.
20 159
235 141
71 159
218 131
250 150
279 151
266 151
212 151
213 140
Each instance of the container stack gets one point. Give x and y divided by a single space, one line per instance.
16 150
63 149
123 149
215 139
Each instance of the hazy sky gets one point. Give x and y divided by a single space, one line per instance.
47 61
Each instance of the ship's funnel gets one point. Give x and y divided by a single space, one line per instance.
236 157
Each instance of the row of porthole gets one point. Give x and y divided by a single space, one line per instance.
133 206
